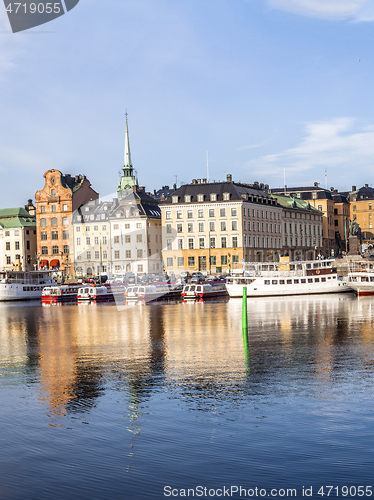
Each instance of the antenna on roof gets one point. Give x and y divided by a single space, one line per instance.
284 180
326 177
207 166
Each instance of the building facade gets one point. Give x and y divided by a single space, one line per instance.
362 211
55 205
215 227
18 247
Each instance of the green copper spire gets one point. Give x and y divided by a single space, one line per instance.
128 179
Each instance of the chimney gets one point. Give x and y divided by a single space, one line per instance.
366 185
162 198
332 189
199 181
142 188
354 188
229 178
316 184
262 186
204 181
194 181
174 186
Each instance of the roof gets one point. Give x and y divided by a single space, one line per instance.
294 203
16 217
306 193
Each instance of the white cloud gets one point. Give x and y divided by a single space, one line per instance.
253 146
333 144
331 9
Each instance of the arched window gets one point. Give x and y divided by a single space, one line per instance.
54 221
43 222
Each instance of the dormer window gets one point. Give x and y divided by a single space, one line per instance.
226 196
53 192
187 198
200 197
213 197
175 199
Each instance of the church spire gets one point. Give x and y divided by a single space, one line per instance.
127 162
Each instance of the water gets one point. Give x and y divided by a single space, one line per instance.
102 403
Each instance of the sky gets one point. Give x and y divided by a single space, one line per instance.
272 89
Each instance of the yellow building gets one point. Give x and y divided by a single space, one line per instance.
362 204
215 226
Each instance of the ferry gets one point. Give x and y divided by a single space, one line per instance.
23 285
291 278
149 293
205 290
97 293
361 279
62 293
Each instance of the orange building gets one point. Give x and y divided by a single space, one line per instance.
55 204
362 204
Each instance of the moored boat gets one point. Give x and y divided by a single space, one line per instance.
205 290
62 293
23 285
361 279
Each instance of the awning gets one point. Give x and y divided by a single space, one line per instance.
44 263
54 263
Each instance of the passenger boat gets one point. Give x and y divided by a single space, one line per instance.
361 279
153 292
23 285
205 290
62 293
291 278
131 293
97 293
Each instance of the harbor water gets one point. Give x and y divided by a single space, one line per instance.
159 400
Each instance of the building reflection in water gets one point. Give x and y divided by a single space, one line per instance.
195 350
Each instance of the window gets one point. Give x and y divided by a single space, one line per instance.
168 215
235 241
213 197
169 262
128 254
8 261
115 239
212 226
213 260
223 225
187 198
96 228
78 242
44 250
200 197
88 240
200 213
43 222
139 238
96 240
222 212
354 208
179 227
191 261
212 242
235 259
54 208
234 212
42 209
180 262
65 221
223 260
201 227
78 229
105 254
190 227
97 254
64 208
179 214
234 225
17 245
7 244
226 196
201 242
127 226
139 254
65 235
180 244
55 250
116 254
104 240
115 226
43 235
54 235
169 244
66 249
103 227
53 191
190 243
211 212
7 233
175 199
189 214
127 239
223 242
140 268
54 221
168 228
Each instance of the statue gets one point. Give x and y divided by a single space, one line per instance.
354 228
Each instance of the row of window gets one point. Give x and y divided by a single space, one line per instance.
54 221
16 245
104 254
264 214
55 235
53 207
201 226
16 232
201 243
302 242
56 250
295 227
297 281
213 261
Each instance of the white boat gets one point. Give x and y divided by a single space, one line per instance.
23 285
204 290
289 278
361 279
97 293
62 293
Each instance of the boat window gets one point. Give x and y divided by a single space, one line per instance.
310 280
329 277
296 282
267 282
193 288
371 278
274 282
323 279
289 282
317 280
281 282
303 280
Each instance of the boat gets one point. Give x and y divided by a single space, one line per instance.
206 290
23 285
152 292
131 293
97 293
361 279
291 278
62 293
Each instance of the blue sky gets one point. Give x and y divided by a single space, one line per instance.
266 86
